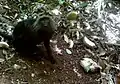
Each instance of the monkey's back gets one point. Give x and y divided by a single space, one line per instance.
28 33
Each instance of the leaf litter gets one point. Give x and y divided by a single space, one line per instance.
98 28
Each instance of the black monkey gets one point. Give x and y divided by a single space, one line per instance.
30 32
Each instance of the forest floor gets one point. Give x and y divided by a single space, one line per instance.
67 70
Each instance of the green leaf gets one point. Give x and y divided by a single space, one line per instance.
61 1
84 4
72 15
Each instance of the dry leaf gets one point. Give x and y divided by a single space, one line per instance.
88 43
66 38
78 35
57 50
71 43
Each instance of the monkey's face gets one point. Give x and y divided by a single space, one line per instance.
43 23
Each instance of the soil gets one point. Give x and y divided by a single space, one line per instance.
67 70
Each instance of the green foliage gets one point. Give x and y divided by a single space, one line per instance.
61 1
34 8
83 5
72 16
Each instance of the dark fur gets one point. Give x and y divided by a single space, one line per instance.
28 33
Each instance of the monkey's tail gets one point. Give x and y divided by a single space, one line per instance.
6 36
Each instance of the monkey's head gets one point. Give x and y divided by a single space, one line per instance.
45 23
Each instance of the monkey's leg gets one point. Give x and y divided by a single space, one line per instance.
49 51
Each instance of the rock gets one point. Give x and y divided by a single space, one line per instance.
33 75
89 65
68 51
16 66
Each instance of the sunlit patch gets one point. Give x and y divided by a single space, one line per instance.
110 20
